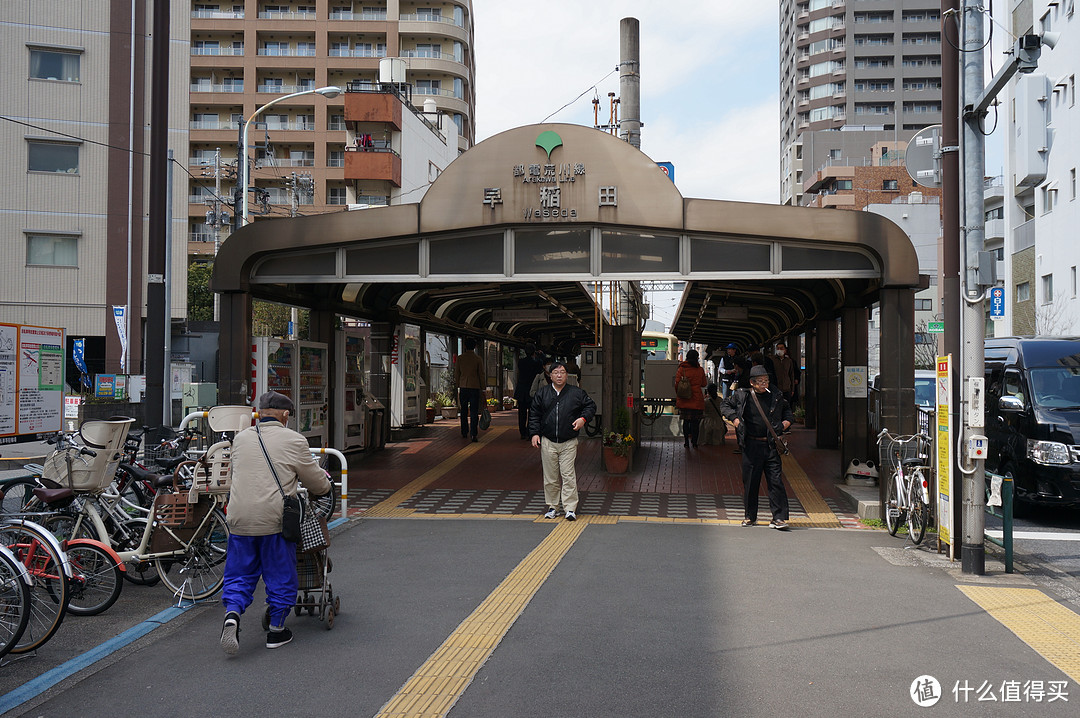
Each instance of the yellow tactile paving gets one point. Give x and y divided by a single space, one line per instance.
818 512
388 507
1039 621
432 691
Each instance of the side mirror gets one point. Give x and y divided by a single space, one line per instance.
1011 404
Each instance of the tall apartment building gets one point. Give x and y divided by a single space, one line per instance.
378 143
1042 154
75 95
854 73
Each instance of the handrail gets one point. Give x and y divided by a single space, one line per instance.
344 477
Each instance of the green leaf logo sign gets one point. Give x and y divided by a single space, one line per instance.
548 141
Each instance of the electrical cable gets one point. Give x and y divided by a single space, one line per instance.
592 87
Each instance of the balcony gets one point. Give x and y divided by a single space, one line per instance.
287 52
290 15
211 125
357 52
284 89
199 87
286 162
1024 236
431 54
218 51
995 229
427 17
347 15
373 107
297 125
218 14
373 164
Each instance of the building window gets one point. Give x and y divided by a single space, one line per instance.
53 157
336 195
924 305
924 338
843 184
1023 292
890 184
335 158
52 250
1049 197
1047 288
54 65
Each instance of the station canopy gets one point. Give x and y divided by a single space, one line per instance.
510 238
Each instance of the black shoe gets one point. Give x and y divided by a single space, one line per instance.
686 443
475 439
230 633
277 639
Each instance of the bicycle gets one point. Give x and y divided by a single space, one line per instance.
46 564
907 494
14 600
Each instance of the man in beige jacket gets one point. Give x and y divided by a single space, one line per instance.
470 379
256 546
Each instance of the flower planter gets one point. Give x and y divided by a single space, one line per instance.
449 412
508 406
430 414
615 464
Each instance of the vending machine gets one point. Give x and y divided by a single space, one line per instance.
405 390
351 371
299 370
313 408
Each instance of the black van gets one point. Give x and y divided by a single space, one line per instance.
1033 416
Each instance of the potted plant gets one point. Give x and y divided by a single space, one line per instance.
507 403
618 443
445 400
493 404
430 407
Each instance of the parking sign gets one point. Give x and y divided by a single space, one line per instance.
997 303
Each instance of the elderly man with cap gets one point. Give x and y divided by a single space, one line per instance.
759 454
256 546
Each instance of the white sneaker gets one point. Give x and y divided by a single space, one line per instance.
551 512
230 633
571 516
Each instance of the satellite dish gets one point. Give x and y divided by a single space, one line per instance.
923 157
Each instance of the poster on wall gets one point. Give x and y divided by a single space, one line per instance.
31 381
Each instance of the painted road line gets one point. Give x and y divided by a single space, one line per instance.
1039 621
436 686
388 507
37 686
1038 535
818 512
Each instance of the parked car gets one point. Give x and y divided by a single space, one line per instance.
925 400
1033 416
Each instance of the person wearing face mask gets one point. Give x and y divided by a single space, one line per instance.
785 372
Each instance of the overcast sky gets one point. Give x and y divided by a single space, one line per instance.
709 81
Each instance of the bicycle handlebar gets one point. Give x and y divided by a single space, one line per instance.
88 452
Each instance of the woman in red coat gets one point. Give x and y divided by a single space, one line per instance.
691 409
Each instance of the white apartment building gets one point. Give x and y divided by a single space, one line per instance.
1042 153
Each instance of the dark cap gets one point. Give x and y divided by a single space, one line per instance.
273 400
758 371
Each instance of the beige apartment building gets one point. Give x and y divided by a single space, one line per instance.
406 110
75 98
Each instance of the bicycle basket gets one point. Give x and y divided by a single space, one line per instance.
90 473
895 451
213 471
175 519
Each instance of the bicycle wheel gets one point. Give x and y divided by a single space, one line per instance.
65 526
16 494
919 513
894 513
48 585
96 580
199 572
14 602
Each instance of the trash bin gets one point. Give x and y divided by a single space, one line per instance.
375 433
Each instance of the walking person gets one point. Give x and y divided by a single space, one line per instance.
691 403
528 367
759 454
785 373
470 379
559 411
729 370
263 457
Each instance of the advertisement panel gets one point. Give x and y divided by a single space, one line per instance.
31 382
944 451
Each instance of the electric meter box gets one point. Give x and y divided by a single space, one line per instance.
660 378
198 396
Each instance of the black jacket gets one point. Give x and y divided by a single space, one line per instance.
551 414
739 404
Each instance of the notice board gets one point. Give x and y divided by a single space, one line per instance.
32 366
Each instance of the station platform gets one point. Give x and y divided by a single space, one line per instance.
436 472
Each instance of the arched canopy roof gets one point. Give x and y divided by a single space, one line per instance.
530 218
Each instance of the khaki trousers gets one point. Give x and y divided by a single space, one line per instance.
558 462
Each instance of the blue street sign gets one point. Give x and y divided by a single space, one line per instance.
997 303
667 168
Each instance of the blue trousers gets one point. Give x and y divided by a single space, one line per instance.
271 557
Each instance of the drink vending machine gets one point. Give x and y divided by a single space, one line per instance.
299 371
352 368
405 382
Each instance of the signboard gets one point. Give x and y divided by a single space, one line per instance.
944 443
855 382
31 381
997 303
935 327
668 169
520 315
104 386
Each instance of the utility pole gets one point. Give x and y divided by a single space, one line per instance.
630 80
157 323
217 218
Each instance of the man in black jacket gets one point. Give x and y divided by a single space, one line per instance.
558 412
528 367
759 453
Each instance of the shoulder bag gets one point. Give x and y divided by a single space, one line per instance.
781 445
485 419
292 514
683 388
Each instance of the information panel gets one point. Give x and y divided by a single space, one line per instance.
944 451
31 382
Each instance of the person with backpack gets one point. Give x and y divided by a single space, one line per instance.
690 381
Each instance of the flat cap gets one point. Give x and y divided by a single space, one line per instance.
758 371
274 400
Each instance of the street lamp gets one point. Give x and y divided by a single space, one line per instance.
328 92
